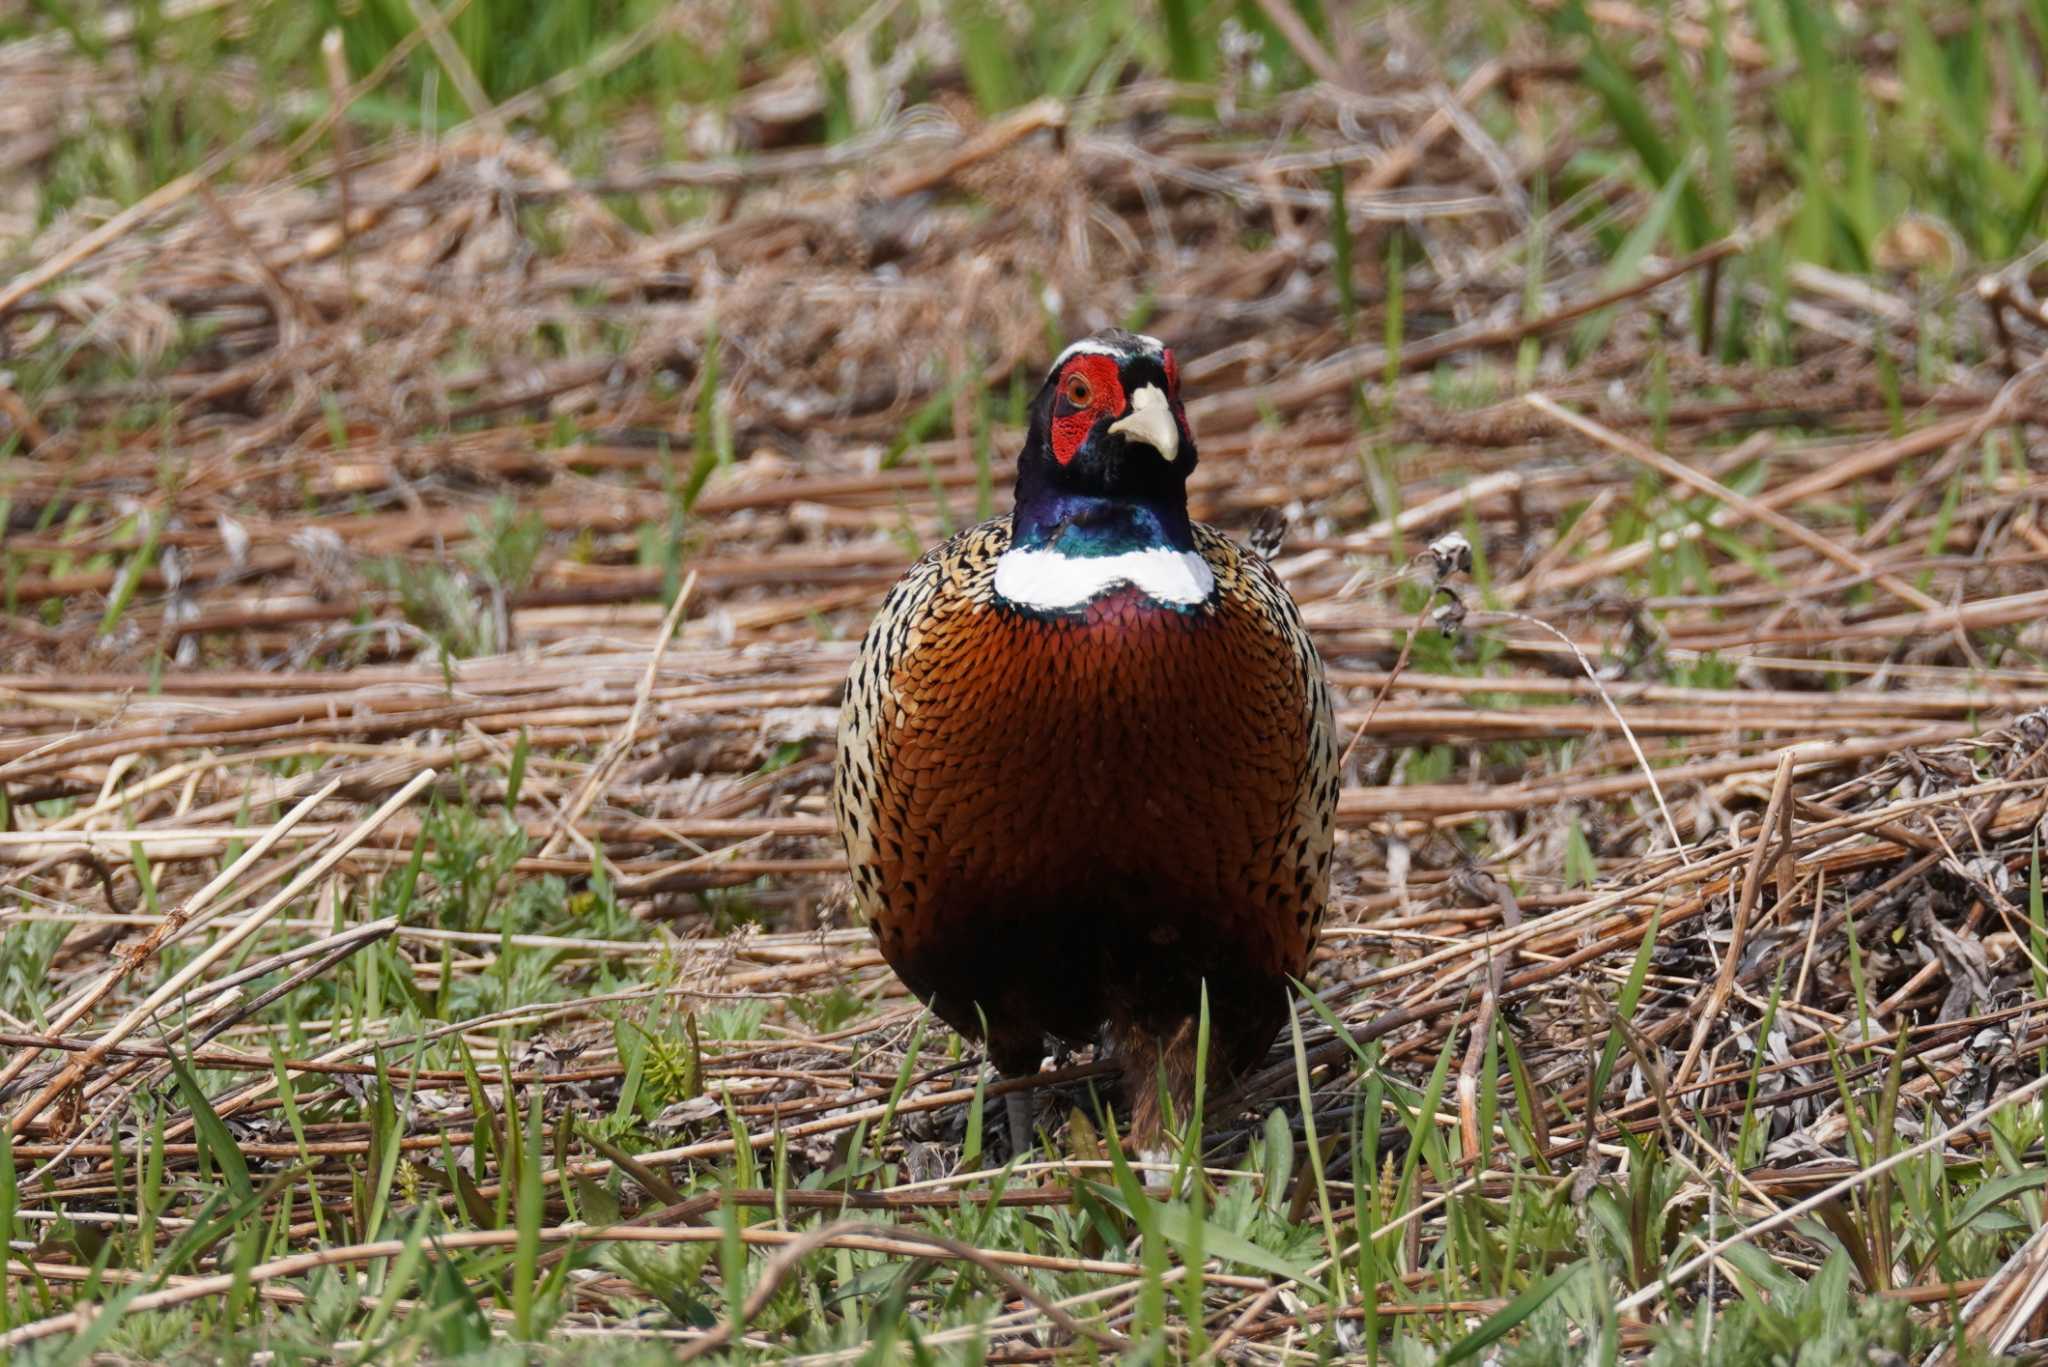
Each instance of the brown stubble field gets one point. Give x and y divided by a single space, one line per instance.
430 569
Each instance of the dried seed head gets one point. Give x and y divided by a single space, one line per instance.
1449 616
1452 554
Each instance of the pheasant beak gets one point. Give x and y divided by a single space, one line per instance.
1151 421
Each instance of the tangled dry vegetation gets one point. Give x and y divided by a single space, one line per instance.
429 578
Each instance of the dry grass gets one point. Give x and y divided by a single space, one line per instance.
355 764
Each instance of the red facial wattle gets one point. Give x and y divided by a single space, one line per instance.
1071 421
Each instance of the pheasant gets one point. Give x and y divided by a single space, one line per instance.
1086 768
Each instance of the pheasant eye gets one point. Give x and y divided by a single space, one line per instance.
1077 391
1172 376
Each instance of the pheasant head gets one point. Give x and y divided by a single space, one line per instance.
1102 481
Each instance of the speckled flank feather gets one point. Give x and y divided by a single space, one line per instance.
1061 820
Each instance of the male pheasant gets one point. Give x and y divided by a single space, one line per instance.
1086 766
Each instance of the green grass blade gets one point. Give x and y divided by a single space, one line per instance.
212 1135
1509 1317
